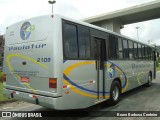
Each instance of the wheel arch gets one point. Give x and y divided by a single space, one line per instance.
119 80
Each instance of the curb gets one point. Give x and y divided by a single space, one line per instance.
8 101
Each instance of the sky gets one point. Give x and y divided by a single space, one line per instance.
12 11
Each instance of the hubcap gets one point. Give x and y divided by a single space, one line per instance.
115 93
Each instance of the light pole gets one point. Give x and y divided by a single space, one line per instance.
52 2
137 33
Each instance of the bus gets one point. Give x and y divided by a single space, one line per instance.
61 63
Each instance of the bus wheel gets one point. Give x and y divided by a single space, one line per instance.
115 93
149 80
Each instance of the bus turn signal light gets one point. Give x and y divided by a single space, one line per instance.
52 82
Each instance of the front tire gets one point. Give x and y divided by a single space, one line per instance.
115 93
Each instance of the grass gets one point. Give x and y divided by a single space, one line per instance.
3 98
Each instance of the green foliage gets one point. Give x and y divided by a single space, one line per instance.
2 98
157 62
158 68
1 77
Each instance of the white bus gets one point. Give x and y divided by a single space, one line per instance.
61 63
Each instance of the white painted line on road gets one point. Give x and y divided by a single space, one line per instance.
6 108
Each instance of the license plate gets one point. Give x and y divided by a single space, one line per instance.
25 79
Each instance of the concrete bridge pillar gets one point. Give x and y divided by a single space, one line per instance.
113 25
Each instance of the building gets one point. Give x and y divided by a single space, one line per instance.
2 41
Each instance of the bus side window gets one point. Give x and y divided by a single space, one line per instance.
125 49
150 53
70 41
135 51
152 50
130 44
139 51
120 50
146 52
143 52
84 42
112 47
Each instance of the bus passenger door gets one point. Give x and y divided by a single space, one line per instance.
100 55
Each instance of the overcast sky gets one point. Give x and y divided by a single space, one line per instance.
12 11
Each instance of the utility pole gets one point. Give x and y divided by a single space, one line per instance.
52 2
137 33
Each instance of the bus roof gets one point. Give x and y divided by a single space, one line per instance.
88 25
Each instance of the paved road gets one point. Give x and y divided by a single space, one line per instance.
139 99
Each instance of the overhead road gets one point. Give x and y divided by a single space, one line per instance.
117 19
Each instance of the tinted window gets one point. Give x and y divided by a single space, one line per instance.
70 41
143 52
112 47
135 51
150 53
125 49
120 50
99 49
130 44
139 51
84 42
146 52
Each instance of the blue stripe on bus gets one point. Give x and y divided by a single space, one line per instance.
80 87
122 72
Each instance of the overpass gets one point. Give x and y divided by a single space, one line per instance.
116 20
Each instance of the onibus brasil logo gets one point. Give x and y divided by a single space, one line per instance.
26 30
